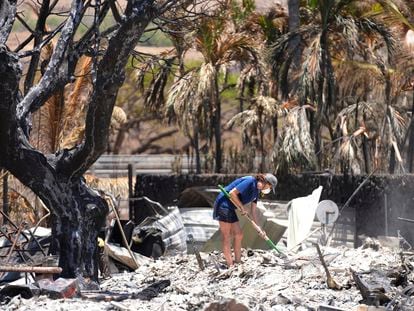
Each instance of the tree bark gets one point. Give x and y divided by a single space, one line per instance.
77 212
293 48
76 231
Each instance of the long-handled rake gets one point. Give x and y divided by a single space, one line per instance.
255 226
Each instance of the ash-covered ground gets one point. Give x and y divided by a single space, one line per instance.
263 281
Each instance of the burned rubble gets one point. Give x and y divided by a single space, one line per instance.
146 264
379 277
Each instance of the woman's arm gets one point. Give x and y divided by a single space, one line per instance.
234 194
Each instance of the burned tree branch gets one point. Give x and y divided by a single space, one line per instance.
36 97
149 141
38 35
110 76
24 43
37 49
23 22
7 16
114 11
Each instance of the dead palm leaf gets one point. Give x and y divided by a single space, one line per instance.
296 147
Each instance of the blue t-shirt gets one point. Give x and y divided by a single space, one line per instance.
247 186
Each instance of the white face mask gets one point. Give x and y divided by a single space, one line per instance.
266 191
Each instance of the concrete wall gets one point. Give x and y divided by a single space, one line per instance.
377 205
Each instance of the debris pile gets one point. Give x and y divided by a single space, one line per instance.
263 281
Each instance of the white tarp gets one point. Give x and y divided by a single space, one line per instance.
301 215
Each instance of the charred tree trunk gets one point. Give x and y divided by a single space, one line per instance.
78 212
293 48
75 232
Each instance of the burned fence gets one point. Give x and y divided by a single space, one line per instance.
377 206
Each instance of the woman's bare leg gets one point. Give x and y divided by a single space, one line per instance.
238 237
225 229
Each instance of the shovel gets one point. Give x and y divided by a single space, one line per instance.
255 226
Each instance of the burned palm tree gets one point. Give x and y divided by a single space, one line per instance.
256 119
255 83
330 28
381 78
295 150
382 123
219 47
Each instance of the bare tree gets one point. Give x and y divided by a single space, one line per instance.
78 213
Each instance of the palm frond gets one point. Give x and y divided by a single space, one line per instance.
397 124
372 27
392 7
296 145
247 119
118 187
181 101
154 96
75 107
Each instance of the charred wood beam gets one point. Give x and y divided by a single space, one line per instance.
30 269
147 293
110 76
7 16
332 284
371 295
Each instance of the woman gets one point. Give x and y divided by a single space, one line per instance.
243 190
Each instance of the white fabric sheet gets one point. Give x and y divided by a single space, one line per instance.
301 215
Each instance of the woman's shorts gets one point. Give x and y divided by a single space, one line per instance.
225 213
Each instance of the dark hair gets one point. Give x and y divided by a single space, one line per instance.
261 178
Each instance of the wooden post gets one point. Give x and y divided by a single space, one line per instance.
131 171
5 196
